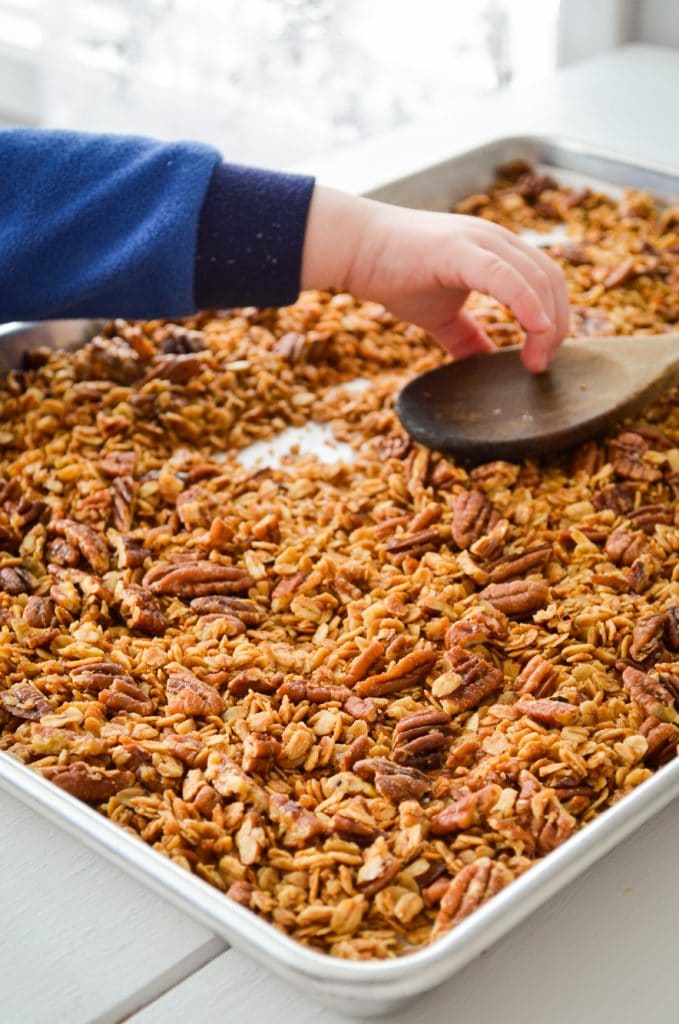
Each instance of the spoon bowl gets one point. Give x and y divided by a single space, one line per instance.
489 407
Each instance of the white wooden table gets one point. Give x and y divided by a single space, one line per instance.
81 943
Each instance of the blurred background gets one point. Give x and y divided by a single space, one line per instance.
281 81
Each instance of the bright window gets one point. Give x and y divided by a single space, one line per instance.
273 81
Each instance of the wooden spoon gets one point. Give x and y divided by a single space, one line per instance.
489 407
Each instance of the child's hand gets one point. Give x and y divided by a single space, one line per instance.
422 266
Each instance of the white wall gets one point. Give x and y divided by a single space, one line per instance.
657 21
588 27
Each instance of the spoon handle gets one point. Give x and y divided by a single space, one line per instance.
650 355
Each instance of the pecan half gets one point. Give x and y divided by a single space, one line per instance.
641 572
647 635
298 690
96 676
405 673
620 274
186 747
27 513
259 751
519 597
131 553
287 586
93 785
24 701
394 446
198 792
618 497
467 810
443 475
197 579
623 546
91 545
540 812
521 564
125 695
662 739
15 580
117 463
357 707
478 626
392 781
463 754
356 751
647 517
38 611
108 359
472 517
140 610
378 869
63 553
122 496
419 739
471 681
538 677
649 693
179 340
252 679
627 458
415 543
355 823
472 886
552 713
298 826
363 662
189 695
492 542
178 369
247 612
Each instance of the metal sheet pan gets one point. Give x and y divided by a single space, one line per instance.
369 988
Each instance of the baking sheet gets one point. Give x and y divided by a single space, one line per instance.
365 988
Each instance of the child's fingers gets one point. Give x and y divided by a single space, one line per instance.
537 351
540 347
533 272
546 278
560 292
487 272
462 337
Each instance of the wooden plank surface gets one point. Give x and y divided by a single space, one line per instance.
603 950
80 940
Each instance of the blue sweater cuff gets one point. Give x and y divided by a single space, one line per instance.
250 238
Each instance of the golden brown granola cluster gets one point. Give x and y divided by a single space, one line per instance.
359 698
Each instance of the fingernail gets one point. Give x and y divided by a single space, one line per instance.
536 362
543 322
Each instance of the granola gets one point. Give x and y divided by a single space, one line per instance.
359 699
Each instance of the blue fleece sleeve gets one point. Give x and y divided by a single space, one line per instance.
250 237
106 226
